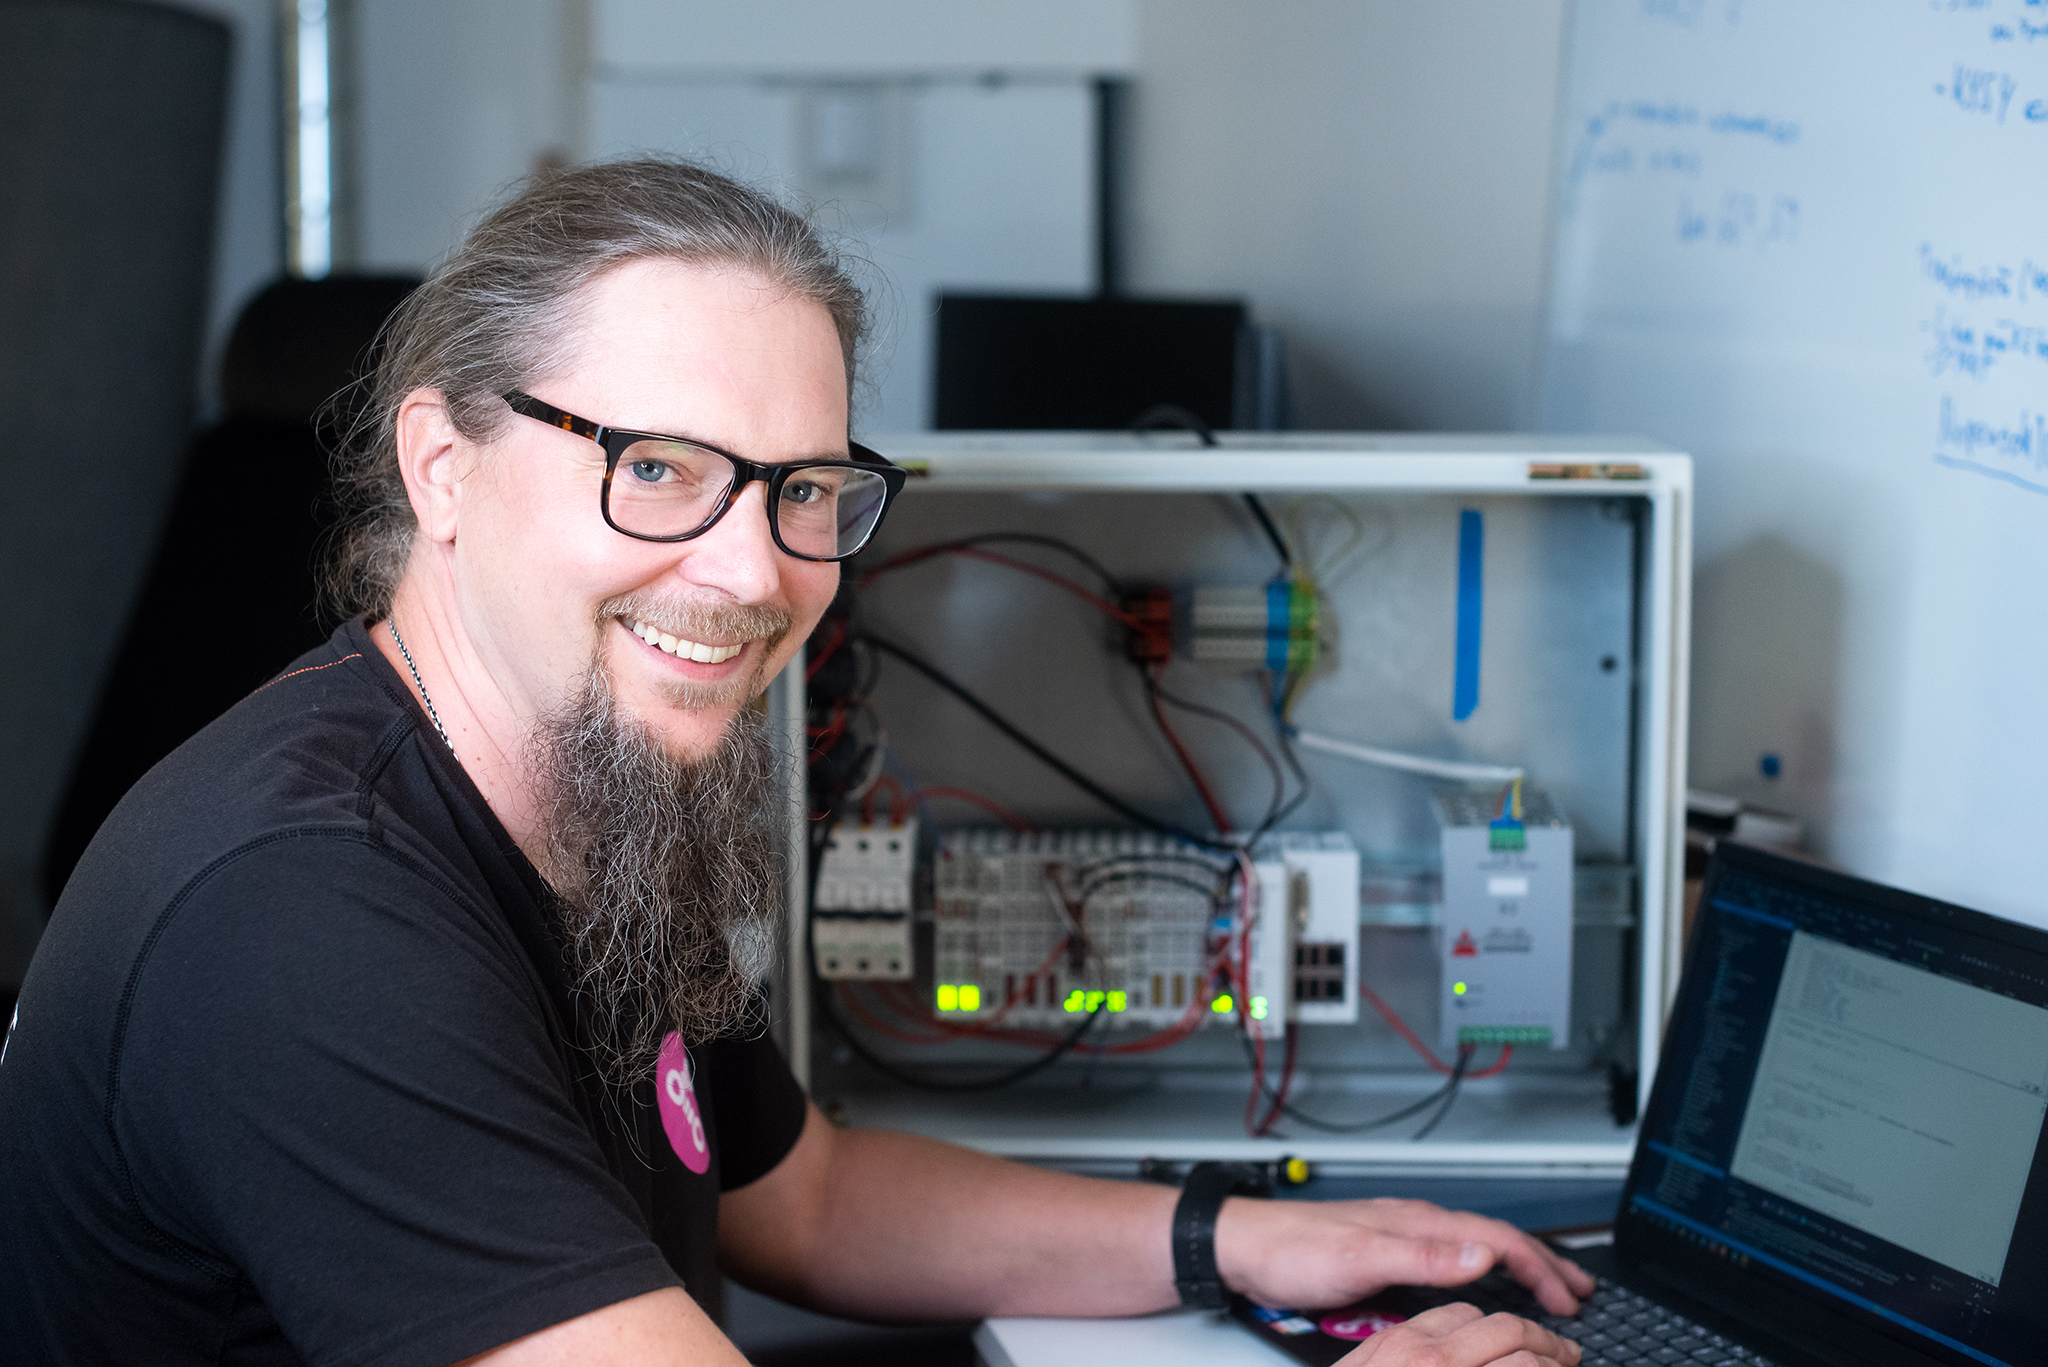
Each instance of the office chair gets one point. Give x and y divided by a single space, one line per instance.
230 596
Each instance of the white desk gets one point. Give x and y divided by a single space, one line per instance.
1181 1338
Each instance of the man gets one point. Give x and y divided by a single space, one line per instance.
343 1042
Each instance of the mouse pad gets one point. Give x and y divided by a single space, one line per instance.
1321 1337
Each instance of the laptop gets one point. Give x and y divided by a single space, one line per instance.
1842 1161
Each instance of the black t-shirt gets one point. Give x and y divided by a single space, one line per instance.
293 1076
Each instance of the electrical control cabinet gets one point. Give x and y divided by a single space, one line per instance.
1182 775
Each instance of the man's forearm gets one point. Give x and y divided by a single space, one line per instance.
888 1225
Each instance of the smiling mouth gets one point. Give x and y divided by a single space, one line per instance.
683 650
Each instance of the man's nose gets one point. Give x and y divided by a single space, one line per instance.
738 556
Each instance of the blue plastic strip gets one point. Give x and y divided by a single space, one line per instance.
1471 578
1279 623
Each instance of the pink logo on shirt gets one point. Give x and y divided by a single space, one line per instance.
676 1096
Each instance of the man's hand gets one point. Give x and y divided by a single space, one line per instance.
1459 1336
1326 1253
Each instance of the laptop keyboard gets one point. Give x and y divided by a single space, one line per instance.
1615 1325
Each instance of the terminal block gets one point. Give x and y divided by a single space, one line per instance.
1275 626
1043 928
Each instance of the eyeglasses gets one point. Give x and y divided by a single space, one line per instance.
659 488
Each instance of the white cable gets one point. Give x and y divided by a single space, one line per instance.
1414 764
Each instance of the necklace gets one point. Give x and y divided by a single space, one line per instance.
434 716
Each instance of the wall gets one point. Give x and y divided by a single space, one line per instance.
454 101
864 37
1373 176
249 246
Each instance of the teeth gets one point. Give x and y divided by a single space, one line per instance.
684 650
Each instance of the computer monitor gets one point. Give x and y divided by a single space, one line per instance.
1046 363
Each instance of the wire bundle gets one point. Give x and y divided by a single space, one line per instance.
859 776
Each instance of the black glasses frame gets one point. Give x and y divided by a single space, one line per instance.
616 440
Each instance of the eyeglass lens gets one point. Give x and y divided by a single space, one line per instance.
667 488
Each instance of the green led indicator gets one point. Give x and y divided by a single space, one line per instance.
970 997
1074 1000
1258 1008
1223 1005
1118 1001
949 997
1458 989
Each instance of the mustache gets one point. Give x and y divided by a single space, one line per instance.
694 619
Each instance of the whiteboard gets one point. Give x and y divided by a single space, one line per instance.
1808 243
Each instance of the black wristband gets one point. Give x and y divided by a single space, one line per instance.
1194 1229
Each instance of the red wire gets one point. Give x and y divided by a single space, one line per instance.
853 1004
1499 1065
1286 1083
914 1010
1243 731
898 799
825 737
1187 761
1000 812
831 649
1108 609
1094 600
1429 1055
1401 1028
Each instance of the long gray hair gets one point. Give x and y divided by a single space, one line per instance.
501 313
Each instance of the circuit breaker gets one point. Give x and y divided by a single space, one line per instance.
1507 921
861 924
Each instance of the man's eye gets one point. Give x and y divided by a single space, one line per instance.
804 492
648 471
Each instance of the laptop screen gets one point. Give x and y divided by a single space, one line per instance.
1850 1105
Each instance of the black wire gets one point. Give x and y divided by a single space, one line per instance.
1258 508
1465 1052
1066 548
1294 1112
1171 416
983 1084
1167 857
1216 714
1039 752
868 1056
1301 790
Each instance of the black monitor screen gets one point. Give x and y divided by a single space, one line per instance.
1024 363
1851 1106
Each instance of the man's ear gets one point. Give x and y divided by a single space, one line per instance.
432 459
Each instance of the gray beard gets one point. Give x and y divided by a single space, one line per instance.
667 876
